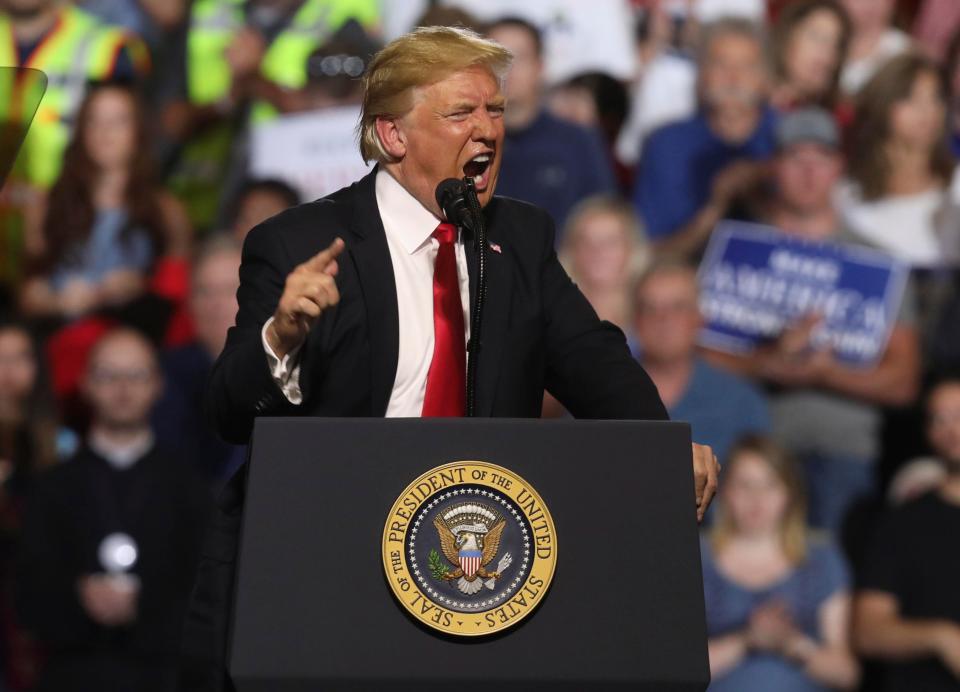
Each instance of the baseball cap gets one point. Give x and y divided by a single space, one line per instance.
807 125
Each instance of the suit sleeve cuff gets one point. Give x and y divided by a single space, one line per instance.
285 371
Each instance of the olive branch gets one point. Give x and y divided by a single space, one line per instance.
438 568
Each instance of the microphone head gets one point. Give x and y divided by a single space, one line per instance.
447 193
451 196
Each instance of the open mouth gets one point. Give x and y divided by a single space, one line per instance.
477 168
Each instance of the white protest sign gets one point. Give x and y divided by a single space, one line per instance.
315 152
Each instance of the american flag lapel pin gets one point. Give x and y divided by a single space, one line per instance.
496 248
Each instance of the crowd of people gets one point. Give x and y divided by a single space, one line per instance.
829 557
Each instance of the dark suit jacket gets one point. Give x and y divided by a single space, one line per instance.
538 332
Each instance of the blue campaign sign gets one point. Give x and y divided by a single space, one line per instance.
756 281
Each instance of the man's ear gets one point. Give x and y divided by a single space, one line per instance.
392 138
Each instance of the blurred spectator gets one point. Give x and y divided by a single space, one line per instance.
178 417
664 87
334 69
246 62
76 48
112 621
809 44
825 411
707 11
778 600
935 27
546 161
147 18
29 443
901 165
70 47
667 322
444 15
604 250
29 436
908 606
106 220
694 170
598 102
874 41
915 479
951 75
258 201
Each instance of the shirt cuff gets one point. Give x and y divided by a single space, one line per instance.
285 371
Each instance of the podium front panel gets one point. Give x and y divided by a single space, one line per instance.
314 611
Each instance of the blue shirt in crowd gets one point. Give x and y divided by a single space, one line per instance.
107 249
554 164
679 163
803 591
742 410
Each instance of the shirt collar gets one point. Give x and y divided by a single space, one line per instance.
403 216
121 456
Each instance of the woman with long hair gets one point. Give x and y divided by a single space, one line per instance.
107 220
778 600
30 442
809 44
900 164
604 249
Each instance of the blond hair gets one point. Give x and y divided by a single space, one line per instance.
635 238
793 525
417 59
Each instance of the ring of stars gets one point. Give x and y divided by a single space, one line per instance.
486 603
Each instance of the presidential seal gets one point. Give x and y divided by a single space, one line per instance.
469 548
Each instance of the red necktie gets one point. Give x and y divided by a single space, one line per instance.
447 378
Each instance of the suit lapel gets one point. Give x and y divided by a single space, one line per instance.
495 311
371 257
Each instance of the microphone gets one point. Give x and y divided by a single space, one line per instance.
451 196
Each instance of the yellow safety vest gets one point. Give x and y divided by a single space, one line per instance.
201 170
79 49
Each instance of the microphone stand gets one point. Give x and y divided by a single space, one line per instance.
476 312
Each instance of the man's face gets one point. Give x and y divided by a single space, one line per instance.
806 175
255 207
122 382
454 129
668 318
943 427
213 298
525 79
601 251
732 73
22 9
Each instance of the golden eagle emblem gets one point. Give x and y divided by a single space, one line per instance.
470 539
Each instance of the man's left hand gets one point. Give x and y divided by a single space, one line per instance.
706 471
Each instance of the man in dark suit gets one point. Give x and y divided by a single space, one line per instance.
358 304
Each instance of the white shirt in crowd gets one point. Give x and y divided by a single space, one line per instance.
919 229
665 92
856 73
409 227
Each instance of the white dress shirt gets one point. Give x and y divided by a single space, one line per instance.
413 251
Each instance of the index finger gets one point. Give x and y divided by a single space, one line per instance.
320 260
